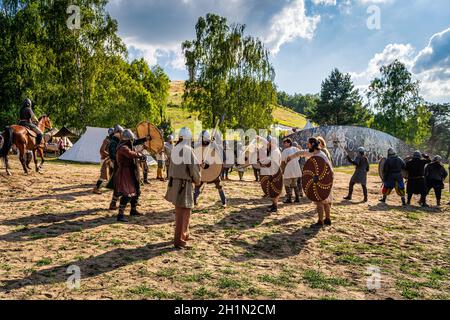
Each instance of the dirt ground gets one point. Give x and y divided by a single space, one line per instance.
51 221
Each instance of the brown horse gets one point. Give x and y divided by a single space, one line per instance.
25 140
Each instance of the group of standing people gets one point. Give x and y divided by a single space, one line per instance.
423 175
120 161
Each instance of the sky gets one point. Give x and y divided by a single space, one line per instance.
306 38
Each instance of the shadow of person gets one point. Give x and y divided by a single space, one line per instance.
276 246
79 186
71 196
90 267
65 227
50 217
239 220
409 208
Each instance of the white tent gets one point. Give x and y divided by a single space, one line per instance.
308 126
87 149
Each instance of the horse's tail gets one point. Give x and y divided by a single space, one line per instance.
7 142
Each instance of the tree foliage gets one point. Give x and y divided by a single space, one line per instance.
229 74
339 103
80 77
439 141
400 110
298 102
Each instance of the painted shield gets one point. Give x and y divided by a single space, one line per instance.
156 144
272 185
213 158
317 179
381 168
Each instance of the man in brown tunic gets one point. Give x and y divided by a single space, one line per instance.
126 182
106 163
184 171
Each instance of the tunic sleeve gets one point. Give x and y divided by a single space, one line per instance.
130 154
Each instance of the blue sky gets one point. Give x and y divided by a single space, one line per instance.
307 38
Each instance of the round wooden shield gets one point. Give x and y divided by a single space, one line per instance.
213 157
405 173
317 179
272 185
156 144
381 168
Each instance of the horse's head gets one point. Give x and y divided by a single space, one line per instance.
46 122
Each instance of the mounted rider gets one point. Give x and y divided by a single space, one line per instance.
27 119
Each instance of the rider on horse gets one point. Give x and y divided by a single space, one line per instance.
27 117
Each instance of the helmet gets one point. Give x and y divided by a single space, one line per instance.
118 129
185 133
361 150
417 154
27 103
205 136
128 135
391 152
437 159
170 138
110 131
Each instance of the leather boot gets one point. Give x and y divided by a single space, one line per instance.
121 215
366 194
350 192
298 195
288 195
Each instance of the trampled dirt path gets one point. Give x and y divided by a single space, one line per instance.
52 221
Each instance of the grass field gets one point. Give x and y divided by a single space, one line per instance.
52 221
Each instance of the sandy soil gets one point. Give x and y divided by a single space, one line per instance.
52 221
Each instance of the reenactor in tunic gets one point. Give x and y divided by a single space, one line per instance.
184 171
292 172
126 184
205 141
106 163
392 176
435 175
361 162
168 147
416 178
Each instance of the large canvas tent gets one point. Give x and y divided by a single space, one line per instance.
87 148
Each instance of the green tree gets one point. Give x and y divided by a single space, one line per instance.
339 103
229 74
80 77
400 110
297 102
439 141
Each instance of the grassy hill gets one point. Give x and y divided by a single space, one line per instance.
181 118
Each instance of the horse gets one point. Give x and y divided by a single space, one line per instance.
24 139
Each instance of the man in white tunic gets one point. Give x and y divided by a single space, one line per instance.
270 160
292 172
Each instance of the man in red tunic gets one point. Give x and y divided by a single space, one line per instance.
127 177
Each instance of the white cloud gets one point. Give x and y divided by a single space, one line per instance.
324 2
431 66
290 24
